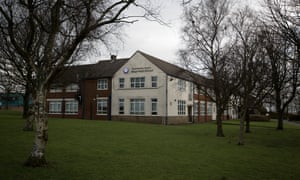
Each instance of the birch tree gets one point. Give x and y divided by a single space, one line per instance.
46 35
208 49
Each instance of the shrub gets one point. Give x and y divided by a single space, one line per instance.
294 117
258 117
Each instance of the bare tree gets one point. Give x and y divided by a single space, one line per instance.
46 35
208 49
254 75
21 74
282 43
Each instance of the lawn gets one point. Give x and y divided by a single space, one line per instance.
85 149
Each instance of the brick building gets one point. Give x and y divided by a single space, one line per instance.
141 88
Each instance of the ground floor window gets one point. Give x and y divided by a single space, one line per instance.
121 106
71 107
209 108
101 106
137 106
196 108
202 108
55 107
181 107
154 106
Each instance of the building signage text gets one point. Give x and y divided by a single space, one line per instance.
141 69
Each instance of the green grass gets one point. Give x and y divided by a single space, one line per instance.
84 149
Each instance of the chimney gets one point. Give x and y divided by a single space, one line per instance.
113 58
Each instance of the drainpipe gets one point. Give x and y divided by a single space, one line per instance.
166 119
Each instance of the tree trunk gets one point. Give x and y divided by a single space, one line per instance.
242 125
219 124
247 122
28 113
280 120
37 156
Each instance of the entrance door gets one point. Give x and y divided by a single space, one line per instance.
190 113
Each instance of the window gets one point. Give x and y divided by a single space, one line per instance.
202 108
72 88
137 106
55 89
137 82
181 85
71 107
102 84
154 81
196 108
121 106
154 106
54 107
209 108
101 106
121 82
181 107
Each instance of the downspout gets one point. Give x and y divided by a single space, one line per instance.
166 119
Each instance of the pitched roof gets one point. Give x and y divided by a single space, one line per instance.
105 69
174 70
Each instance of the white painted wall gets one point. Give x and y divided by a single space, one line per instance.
174 95
139 63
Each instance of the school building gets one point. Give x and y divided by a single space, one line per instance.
141 88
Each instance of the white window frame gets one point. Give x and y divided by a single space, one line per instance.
181 107
71 107
122 83
102 106
154 80
196 108
209 108
154 106
121 104
102 84
181 85
137 106
55 107
137 82
202 108
72 87
55 89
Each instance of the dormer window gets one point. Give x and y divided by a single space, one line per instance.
72 88
55 89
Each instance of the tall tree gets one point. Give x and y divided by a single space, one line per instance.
254 74
208 49
282 43
46 35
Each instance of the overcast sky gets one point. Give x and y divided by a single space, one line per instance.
153 38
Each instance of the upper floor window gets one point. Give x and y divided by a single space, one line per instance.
55 89
121 82
102 84
181 85
154 81
137 82
72 88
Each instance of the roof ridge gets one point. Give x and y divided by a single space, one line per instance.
159 59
